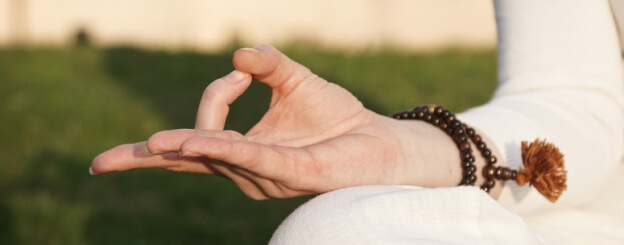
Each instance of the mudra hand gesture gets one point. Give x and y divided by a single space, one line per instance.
315 137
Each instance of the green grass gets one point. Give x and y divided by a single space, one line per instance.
60 107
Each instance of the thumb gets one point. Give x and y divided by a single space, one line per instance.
270 66
215 102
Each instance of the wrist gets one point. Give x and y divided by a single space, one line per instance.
431 158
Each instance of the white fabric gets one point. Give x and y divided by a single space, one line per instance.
560 78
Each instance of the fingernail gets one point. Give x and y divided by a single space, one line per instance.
150 152
91 171
237 76
251 50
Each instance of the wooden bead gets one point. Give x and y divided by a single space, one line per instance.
438 110
481 145
491 160
473 181
470 132
454 123
465 182
476 138
466 154
412 115
460 138
431 109
506 174
464 146
489 172
498 173
486 152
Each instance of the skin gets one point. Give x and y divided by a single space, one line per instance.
316 137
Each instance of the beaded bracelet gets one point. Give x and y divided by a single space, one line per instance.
543 163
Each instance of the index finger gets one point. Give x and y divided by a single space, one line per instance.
132 156
215 102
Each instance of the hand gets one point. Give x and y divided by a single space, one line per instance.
315 137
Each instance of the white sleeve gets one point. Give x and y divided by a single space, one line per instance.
560 79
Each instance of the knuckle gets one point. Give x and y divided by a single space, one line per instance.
211 93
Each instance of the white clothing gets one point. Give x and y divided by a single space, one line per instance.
560 78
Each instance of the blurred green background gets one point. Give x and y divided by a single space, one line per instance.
61 106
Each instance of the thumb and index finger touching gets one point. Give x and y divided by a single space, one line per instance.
264 63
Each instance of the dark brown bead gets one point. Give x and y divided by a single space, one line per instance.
396 116
466 154
489 172
420 115
472 168
455 123
506 174
470 132
476 138
492 160
466 164
449 119
485 188
464 146
490 183
438 110
486 152
412 115
427 117
513 174
436 121
446 113
449 130
498 172
442 125
459 138
465 182
473 181
471 159
404 114
468 172
481 145
459 130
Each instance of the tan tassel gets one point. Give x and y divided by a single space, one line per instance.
543 169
